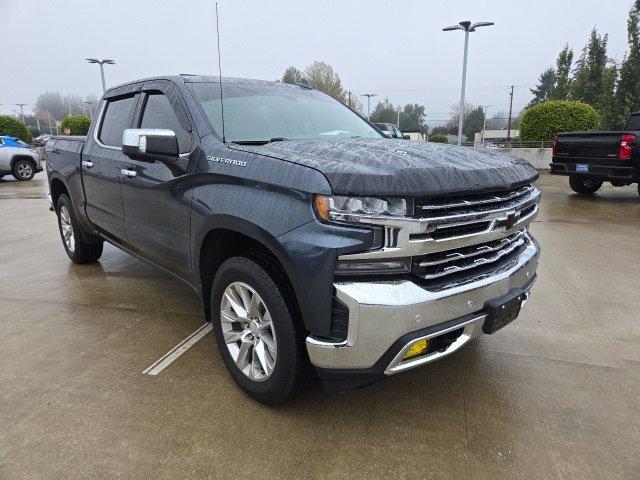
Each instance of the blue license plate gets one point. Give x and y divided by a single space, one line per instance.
582 168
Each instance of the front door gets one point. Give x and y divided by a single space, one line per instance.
102 162
156 207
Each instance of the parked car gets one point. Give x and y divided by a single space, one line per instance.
18 158
311 239
391 131
41 140
592 158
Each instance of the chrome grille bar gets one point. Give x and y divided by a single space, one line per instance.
482 200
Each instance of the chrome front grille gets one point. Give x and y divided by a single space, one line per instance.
455 217
454 239
440 264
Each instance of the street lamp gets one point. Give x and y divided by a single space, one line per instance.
467 27
369 95
484 121
50 127
102 63
90 111
21 105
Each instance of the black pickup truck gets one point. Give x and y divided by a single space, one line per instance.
318 247
592 158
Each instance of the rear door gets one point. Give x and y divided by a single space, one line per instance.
102 162
157 209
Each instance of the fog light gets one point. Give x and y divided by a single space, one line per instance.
416 349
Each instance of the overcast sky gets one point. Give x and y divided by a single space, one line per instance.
396 49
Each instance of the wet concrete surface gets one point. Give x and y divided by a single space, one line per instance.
555 395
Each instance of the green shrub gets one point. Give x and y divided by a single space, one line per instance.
13 127
438 138
77 124
543 120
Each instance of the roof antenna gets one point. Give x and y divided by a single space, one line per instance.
220 73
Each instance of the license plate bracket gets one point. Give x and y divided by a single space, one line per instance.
502 311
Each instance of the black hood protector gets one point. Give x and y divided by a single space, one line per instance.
400 167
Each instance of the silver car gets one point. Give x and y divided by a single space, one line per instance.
18 158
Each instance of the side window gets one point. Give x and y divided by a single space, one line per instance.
116 118
397 132
158 113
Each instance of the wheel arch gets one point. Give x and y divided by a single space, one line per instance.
229 236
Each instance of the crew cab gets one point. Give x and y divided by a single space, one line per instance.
318 247
18 158
592 158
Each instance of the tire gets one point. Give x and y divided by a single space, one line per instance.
584 186
268 360
73 242
23 170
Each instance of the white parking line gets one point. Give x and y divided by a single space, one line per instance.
168 358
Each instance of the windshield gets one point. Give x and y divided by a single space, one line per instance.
263 112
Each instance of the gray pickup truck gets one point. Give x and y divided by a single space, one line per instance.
319 248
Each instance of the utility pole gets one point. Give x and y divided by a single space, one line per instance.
369 95
467 27
21 105
510 111
69 102
398 123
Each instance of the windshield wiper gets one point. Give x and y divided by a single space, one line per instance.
259 142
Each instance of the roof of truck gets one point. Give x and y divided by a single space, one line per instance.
196 78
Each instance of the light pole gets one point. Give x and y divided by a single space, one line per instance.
467 27
102 63
21 105
50 128
484 121
90 111
369 95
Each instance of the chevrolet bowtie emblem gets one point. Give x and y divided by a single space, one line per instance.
512 218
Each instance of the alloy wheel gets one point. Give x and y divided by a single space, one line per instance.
248 331
24 170
67 229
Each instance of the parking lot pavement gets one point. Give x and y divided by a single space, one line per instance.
555 395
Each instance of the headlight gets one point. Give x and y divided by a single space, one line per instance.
348 209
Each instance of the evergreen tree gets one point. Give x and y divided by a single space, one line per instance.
594 76
562 86
546 83
627 99
384 112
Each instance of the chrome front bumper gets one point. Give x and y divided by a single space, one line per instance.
380 313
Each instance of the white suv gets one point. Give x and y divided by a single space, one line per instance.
18 158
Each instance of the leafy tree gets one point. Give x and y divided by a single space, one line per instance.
454 118
544 120
292 75
473 123
384 112
438 138
13 127
321 76
59 105
562 87
627 99
546 83
77 124
412 117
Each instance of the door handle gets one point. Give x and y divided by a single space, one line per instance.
86 163
128 173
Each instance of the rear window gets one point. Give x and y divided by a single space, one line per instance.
633 124
117 117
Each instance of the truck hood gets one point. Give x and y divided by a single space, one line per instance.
391 167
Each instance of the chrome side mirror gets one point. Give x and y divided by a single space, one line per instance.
150 144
